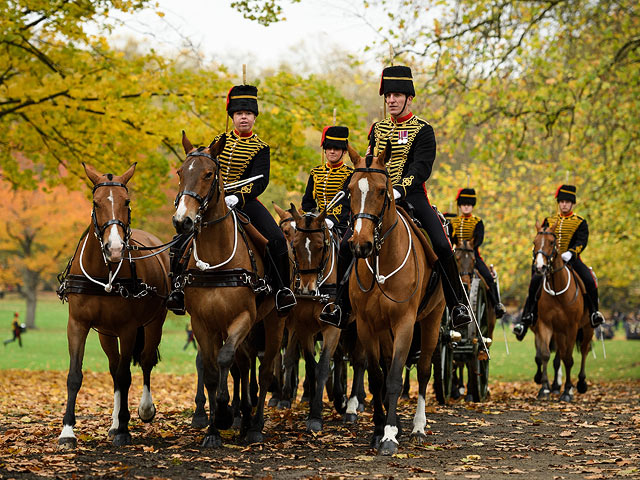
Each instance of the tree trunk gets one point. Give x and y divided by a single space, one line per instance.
29 292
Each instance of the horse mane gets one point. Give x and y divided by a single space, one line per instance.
308 218
368 160
110 176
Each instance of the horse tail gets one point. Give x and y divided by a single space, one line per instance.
139 345
579 338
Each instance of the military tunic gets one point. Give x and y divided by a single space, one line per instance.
325 181
572 232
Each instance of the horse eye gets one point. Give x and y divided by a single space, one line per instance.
208 175
95 205
127 202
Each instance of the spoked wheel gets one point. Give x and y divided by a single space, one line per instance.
479 365
443 363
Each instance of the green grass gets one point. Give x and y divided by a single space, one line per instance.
46 348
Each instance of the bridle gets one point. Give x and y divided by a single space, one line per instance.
470 251
549 257
100 229
324 259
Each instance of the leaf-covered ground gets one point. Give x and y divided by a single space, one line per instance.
512 436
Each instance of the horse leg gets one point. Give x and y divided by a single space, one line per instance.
200 419
356 400
237 332
330 337
585 346
77 336
273 331
543 337
339 379
407 383
567 358
209 347
109 346
277 385
123 383
149 359
290 359
557 375
236 375
243 361
401 344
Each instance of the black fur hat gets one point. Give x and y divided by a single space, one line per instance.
466 196
335 137
397 79
242 97
566 192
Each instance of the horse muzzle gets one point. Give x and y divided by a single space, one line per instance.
183 225
362 249
113 254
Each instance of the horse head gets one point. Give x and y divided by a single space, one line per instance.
199 184
466 258
111 214
545 248
311 249
287 223
371 195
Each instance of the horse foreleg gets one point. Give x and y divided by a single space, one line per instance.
356 400
273 331
121 390
77 336
291 357
209 347
241 389
330 336
339 378
557 374
109 345
149 359
585 347
199 419
543 353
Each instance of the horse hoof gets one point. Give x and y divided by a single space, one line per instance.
555 389
304 399
284 405
224 417
147 415
375 441
212 441
314 425
455 394
388 448
273 401
582 386
121 439
68 442
418 438
468 398
254 436
199 421
537 378
360 408
565 397
543 394
111 433
350 418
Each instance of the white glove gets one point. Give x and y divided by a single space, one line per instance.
566 256
329 223
396 194
231 200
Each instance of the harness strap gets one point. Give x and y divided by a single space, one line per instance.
235 277
123 287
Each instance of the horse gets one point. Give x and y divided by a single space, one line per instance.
563 315
112 290
391 279
222 312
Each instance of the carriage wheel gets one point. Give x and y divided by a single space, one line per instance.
443 364
479 367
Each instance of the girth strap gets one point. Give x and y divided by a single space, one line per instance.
235 277
122 287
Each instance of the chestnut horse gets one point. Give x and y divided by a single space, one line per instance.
224 303
390 279
563 315
111 289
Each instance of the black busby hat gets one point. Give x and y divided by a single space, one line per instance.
466 196
335 137
397 79
242 97
566 192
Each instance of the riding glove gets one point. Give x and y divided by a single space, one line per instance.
396 194
567 256
231 200
329 223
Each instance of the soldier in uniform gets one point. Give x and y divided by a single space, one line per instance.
469 227
572 235
412 156
244 156
326 180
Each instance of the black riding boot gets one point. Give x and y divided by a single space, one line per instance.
494 296
596 318
175 300
454 292
337 313
285 299
530 310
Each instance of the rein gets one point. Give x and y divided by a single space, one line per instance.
551 272
327 244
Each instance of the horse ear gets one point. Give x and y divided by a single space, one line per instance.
126 176
538 226
385 155
553 228
281 213
186 144
295 214
216 149
320 218
353 155
92 173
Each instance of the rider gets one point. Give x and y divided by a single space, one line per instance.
245 156
469 227
326 180
412 156
572 234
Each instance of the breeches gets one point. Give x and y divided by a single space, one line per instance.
428 217
266 225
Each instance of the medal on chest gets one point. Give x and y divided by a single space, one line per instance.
403 137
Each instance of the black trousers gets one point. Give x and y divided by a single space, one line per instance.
484 271
428 217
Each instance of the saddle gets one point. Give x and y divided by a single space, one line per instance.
256 237
432 258
583 289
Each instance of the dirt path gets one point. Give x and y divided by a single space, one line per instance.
598 436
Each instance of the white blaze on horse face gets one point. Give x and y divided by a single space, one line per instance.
116 244
307 246
352 405
115 423
420 419
181 211
363 185
110 198
146 410
540 257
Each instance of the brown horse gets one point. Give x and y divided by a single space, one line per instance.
389 281
224 303
563 315
111 289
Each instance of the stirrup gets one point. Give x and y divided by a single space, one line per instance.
175 302
331 316
519 330
460 316
284 305
500 310
596 319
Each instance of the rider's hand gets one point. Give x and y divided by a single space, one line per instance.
329 223
396 194
231 200
567 256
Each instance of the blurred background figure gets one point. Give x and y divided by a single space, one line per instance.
16 330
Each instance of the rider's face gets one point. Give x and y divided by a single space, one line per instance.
466 209
396 104
334 155
565 206
243 121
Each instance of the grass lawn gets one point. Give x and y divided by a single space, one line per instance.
46 348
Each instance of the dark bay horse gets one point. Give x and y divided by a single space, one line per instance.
120 295
563 315
389 281
225 292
